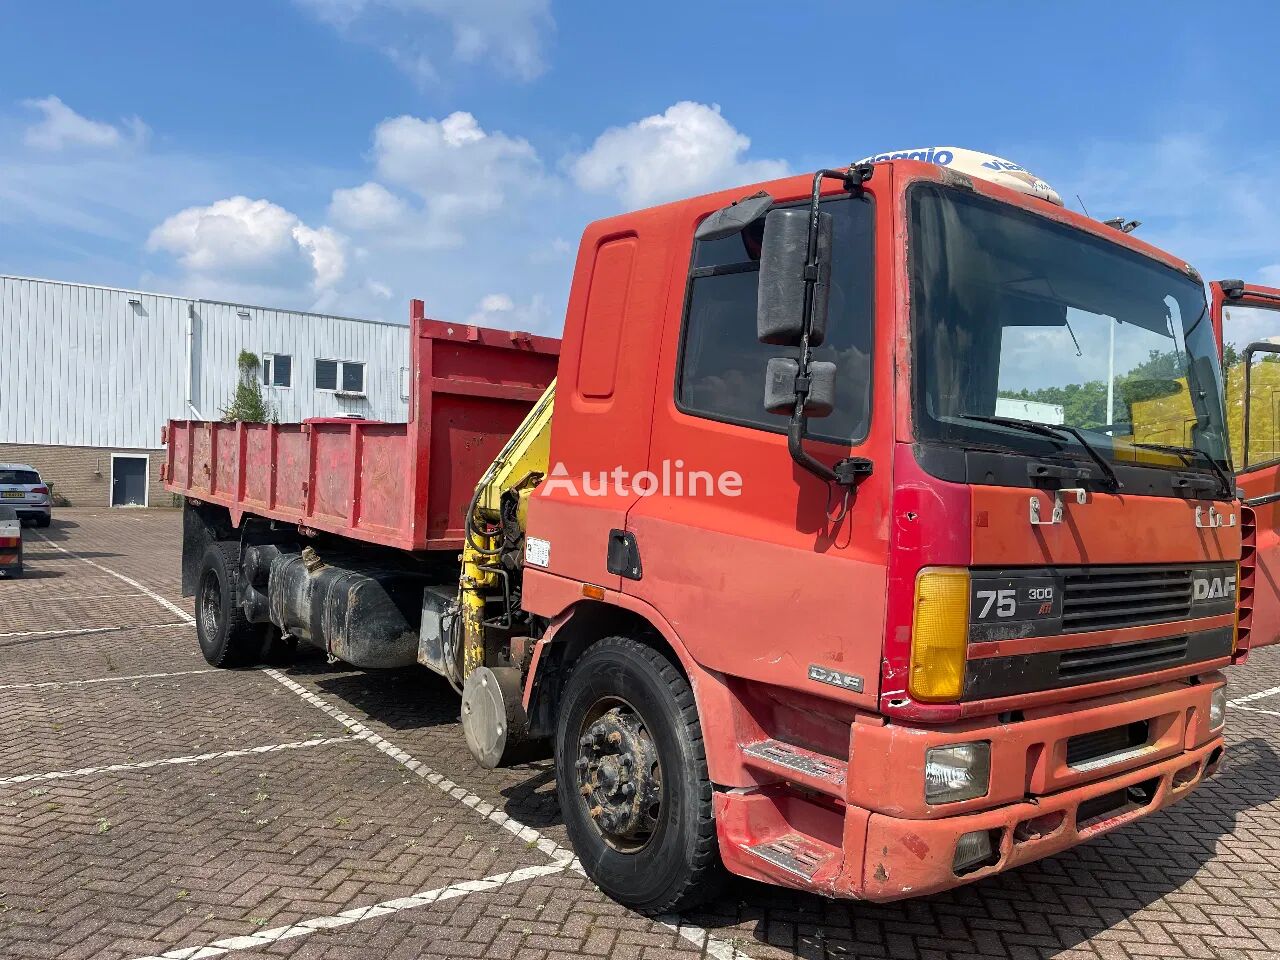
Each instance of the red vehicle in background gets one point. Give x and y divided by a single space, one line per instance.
1246 322
10 542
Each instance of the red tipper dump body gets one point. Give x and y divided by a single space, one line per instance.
405 485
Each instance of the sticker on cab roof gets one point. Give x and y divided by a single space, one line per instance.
976 164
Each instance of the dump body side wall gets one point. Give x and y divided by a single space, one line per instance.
405 485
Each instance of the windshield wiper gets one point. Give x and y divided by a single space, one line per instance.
1054 431
1187 453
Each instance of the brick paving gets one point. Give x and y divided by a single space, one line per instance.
138 861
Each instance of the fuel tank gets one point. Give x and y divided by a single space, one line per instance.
363 614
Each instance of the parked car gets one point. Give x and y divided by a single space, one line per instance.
22 489
10 542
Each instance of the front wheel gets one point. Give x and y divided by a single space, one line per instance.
631 773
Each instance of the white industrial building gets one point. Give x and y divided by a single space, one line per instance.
89 375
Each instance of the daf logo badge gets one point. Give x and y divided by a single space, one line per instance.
845 681
1207 588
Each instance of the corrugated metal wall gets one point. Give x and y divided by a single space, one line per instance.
82 365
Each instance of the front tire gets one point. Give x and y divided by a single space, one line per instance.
227 637
631 774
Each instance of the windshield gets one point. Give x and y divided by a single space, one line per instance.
1018 317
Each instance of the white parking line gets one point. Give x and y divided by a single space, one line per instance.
1253 696
74 596
50 684
265 938
171 607
80 631
706 941
167 761
487 810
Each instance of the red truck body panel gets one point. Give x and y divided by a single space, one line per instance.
404 485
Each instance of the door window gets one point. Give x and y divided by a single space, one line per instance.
1242 325
722 366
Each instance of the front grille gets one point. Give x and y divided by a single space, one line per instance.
1101 598
1006 676
1085 749
1121 659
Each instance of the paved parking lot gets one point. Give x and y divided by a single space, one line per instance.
151 807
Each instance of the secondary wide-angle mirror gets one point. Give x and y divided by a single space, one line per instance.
780 387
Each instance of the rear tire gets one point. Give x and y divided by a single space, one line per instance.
227 638
628 728
43 521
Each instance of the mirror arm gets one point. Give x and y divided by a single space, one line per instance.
849 470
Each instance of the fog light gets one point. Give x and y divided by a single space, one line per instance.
974 850
960 771
1218 708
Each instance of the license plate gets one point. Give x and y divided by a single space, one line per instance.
13 494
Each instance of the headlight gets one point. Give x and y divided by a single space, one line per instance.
960 771
939 635
1218 708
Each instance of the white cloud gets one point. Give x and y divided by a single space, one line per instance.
242 237
370 206
497 303
379 289
325 248
688 149
509 34
457 170
500 310
62 128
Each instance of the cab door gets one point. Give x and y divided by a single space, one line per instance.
1246 321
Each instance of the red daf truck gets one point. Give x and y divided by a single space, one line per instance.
847 550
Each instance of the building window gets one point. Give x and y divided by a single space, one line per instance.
277 370
340 376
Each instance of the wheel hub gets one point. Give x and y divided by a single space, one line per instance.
210 608
619 777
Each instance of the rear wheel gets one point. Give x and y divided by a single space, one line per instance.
631 774
227 637
43 521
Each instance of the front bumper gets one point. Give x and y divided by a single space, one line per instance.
910 858
873 837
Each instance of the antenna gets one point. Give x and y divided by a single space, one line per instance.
1082 206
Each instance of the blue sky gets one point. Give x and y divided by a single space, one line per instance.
346 155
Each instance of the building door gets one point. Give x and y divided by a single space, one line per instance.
128 481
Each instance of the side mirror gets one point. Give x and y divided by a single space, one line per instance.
781 387
780 310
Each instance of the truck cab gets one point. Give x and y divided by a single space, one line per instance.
1003 635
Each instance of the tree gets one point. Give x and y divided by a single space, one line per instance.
247 403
